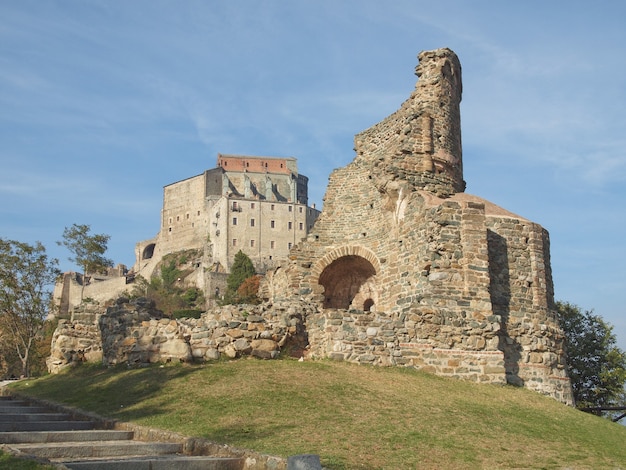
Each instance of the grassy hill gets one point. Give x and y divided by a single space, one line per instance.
354 417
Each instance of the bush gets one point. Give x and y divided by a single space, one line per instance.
187 313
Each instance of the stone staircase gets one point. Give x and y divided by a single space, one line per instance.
78 444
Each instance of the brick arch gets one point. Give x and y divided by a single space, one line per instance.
347 250
347 275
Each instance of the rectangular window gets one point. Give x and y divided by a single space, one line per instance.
300 210
251 222
272 224
272 244
234 242
289 225
289 245
198 212
252 243
234 220
290 208
252 205
272 207
301 226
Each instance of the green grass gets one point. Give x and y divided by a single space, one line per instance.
354 417
9 462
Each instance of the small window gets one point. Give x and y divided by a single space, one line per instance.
272 224
301 226
272 244
252 243
252 205
178 218
187 215
272 207
198 212
170 220
289 245
290 208
300 210
251 222
234 242
289 225
234 220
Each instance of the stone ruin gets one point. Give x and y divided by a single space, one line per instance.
402 268
409 270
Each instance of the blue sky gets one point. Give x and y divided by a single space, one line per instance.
102 103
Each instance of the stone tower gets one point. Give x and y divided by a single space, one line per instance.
421 142
407 269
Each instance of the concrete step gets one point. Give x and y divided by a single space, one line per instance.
21 437
90 449
160 463
39 432
45 426
32 417
23 407
7 398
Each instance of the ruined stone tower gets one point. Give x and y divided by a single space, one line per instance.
409 270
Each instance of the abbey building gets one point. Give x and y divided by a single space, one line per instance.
258 205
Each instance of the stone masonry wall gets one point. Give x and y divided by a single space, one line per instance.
447 281
136 333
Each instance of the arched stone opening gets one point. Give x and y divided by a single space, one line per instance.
148 251
368 304
343 279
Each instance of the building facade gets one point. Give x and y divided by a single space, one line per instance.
258 205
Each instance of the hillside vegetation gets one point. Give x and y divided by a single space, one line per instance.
354 417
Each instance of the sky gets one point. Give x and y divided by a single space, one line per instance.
104 102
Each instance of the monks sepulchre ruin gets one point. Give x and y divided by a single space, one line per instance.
401 268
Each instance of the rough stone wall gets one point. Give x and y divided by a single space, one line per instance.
406 269
135 333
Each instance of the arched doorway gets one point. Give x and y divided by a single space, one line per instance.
343 278
148 251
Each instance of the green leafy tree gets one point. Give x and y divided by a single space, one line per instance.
596 366
170 274
88 250
27 276
241 270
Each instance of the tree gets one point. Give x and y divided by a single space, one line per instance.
26 279
88 250
596 366
249 289
241 270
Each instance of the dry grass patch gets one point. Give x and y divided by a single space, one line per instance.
355 417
